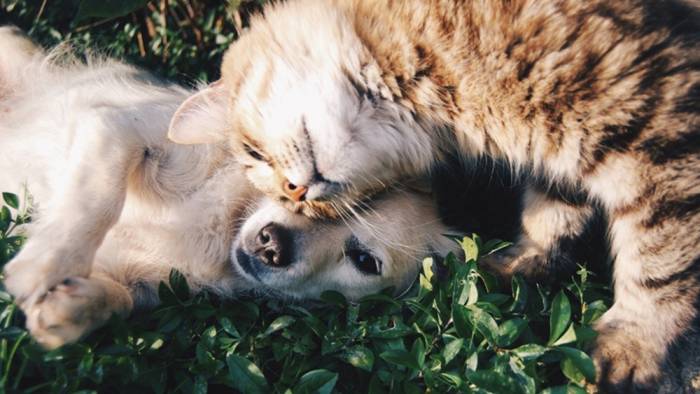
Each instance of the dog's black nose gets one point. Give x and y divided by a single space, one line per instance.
273 246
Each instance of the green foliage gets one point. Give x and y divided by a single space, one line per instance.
457 331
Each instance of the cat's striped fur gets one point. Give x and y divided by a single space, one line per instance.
599 97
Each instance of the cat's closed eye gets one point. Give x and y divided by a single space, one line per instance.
253 153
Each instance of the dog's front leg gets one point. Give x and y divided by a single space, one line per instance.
76 307
86 202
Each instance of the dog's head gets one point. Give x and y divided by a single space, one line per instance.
292 256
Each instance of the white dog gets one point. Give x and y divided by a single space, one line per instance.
116 205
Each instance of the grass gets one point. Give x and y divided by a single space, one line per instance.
457 331
181 40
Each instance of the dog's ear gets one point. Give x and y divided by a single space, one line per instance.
201 119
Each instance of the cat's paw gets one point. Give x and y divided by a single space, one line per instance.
68 311
625 363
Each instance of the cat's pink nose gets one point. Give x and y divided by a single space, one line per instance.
296 193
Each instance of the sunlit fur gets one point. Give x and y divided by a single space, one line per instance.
116 205
600 97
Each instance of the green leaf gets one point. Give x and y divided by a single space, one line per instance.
510 331
471 249
568 336
494 246
520 294
460 316
209 336
319 381
526 382
200 385
495 298
107 8
580 360
179 285
452 378
571 371
399 330
245 376
334 298
472 362
428 268
585 334
166 295
359 357
229 328
560 317
11 199
485 324
418 352
570 389
530 351
494 382
279 324
5 215
452 349
400 357
593 311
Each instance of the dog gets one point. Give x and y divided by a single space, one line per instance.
116 206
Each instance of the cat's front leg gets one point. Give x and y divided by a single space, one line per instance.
657 288
84 205
555 236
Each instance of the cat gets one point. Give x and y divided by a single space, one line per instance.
335 100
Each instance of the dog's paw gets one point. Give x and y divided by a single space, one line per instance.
33 272
68 311
625 363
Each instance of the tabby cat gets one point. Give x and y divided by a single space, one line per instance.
335 100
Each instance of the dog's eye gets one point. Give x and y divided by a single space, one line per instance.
365 262
253 153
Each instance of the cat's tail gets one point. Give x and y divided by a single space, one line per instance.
17 53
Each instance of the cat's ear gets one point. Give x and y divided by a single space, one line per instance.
201 119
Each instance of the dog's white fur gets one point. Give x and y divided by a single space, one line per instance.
116 205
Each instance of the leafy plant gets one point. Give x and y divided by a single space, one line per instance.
178 39
458 331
